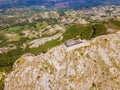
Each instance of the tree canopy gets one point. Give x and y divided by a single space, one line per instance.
87 32
99 29
73 32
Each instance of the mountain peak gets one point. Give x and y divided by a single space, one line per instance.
85 68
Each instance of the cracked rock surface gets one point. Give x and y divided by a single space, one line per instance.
93 67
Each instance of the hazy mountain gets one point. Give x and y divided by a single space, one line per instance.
54 3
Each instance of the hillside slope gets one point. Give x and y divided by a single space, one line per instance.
93 67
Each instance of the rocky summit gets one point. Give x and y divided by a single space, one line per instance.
92 67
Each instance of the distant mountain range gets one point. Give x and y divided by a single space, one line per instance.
55 3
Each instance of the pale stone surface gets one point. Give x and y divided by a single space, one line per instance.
8 48
93 67
41 41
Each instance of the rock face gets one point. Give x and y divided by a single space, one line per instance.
93 67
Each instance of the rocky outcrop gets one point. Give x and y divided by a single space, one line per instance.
8 48
93 67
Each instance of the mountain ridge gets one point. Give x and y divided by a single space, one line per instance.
52 3
91 67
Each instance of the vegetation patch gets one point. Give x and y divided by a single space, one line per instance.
3 37
87 32
73 32
93 85
7 59
43 48
114 24
2 83
99 29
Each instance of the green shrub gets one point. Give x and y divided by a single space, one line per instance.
115 25
73 32
43 48
99 29
5 69
14 29
7 59
2 83
87 32
3 37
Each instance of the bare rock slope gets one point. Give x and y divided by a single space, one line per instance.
93 67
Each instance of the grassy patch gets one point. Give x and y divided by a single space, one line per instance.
5 69
114 25
87 32
2 83
7 59
73 32
99 29
45 47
